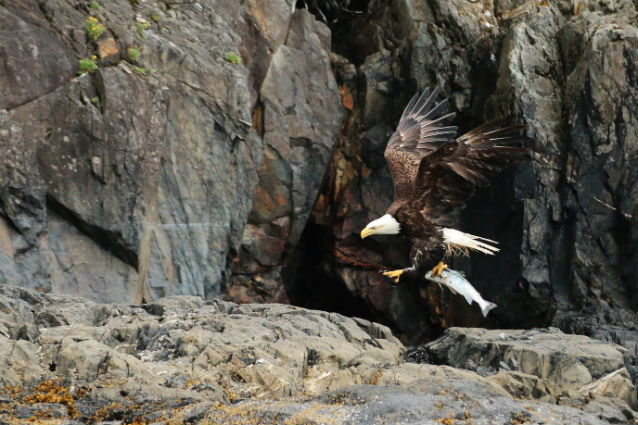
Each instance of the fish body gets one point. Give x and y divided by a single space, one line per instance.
458 284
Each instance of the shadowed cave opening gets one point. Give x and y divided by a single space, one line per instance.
309 279
310 284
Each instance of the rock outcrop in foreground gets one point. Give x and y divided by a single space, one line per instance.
185 360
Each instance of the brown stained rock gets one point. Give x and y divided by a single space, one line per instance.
108 50
301 118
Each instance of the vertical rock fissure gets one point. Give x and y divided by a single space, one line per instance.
317 273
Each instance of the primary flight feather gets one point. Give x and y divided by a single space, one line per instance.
434 173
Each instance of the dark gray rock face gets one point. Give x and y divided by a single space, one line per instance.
565 221
139 178
182 359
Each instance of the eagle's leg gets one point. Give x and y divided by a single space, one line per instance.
396 274
438 269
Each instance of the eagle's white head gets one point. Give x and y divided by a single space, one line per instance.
386 225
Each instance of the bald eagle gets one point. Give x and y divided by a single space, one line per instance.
434 173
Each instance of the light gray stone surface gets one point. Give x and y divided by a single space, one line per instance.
185 360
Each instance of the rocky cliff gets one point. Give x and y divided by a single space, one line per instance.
235 149
566 220
137 136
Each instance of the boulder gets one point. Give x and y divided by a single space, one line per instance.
543 364
618 326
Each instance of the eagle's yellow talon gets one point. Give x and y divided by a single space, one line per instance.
438 269
393 274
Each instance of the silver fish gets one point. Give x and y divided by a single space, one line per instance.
458 284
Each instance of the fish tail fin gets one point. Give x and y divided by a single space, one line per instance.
460 241
486 307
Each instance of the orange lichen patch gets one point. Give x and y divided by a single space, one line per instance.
13 392
190 382
253 414
346 97
520 418
105 412
107 48
81 391
52 392
34 421
376 377
446 421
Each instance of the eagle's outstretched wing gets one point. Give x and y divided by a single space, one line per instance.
421 130
448 176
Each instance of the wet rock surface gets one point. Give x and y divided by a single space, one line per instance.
185 360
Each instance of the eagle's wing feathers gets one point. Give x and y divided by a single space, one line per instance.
449 175
420 131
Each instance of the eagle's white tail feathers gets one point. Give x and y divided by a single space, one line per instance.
457 240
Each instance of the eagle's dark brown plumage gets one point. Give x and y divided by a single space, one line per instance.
435 173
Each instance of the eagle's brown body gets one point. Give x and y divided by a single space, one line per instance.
426 238
435 172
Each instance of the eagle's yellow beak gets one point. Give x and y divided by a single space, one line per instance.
366 232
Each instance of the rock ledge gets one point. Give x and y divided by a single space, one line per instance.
186 360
